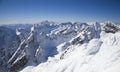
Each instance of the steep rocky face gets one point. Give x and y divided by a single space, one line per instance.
8 45
34 44
9 42
111 28
7 37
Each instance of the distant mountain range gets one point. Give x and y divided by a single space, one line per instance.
60 47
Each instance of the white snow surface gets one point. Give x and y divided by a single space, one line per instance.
98 55
17 32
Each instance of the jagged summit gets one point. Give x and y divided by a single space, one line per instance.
47 44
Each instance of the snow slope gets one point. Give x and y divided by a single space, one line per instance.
99 53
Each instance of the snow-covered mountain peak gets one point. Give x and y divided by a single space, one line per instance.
70 47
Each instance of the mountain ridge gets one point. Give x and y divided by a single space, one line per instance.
36 44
